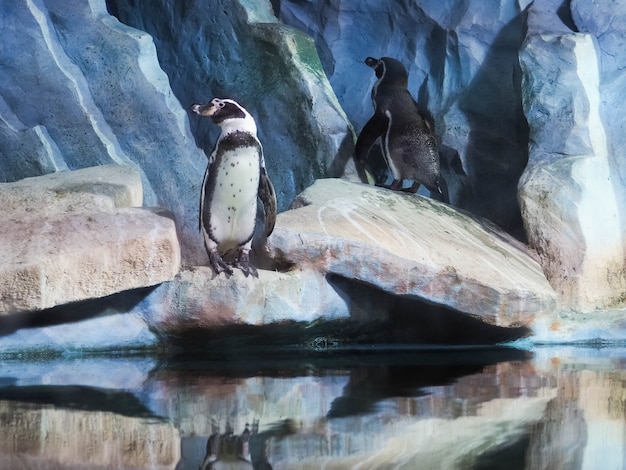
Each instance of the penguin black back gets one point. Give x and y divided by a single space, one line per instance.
409 144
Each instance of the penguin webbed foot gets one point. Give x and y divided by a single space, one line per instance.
413 188
218 264
396 185
243 262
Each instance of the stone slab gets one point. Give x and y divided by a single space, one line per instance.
73 236
411 245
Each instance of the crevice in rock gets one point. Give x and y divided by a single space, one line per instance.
73 312
380 320
413 320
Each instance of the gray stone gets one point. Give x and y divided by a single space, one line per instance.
110 330
197 298
411 245
73 236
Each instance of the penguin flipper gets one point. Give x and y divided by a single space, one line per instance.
268 198
209 171
373 129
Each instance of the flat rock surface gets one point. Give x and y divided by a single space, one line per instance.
410 245
73 236
197 298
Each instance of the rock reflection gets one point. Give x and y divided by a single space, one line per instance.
34 436
473 409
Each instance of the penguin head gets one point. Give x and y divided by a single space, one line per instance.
226 113
389 71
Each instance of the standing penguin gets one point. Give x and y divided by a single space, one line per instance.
409 145
233 179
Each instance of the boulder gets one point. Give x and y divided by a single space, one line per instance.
198 299
73 236
85 90
409 245
571 193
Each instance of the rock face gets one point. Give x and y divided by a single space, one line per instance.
573 189
84 90
411 245
79 235
238 49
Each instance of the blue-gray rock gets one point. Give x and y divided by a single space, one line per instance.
238 49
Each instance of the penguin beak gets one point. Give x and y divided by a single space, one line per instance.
371 62
207 109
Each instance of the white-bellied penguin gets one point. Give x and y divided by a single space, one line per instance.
408 140
234 178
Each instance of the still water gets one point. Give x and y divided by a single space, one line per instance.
552 408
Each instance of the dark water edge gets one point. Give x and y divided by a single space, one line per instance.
383 406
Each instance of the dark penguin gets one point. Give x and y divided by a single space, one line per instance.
234 178
407 134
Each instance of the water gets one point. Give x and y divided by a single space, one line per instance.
552 408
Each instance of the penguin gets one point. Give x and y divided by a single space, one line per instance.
234 178
409 144
228 450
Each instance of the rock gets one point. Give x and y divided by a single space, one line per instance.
571 193
108 326
96 189
85 90
197 298
73 236
463 67
412 246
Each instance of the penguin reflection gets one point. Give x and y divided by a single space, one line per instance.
229 451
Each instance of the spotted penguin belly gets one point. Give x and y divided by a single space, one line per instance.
233 203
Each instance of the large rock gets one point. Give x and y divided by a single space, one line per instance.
411 245
197 298
463 67
74 235
572 193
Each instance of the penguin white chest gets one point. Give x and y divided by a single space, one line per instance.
232 202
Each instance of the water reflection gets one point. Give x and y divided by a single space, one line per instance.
465 409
